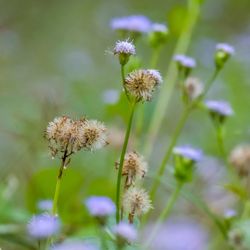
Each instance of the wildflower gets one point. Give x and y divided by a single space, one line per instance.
45 205
136 202
134 167
125 233
185 158
219 110
142 83
223 53
43 226
110 96
134 23
240 159
229 214
158 35
94 135
124 49
193 87
100 207
185 64
74 245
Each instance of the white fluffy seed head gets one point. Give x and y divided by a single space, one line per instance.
142 83
136 201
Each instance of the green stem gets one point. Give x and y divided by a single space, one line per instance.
165 213
123 81
168 153
220 140
171 75
155 57
119 176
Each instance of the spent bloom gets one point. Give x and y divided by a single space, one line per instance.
223 53
188 152
74 245
43 226
100 206
136 202
124 49
125 233
69 136
142 83
134 23
193 87
240 159
134 167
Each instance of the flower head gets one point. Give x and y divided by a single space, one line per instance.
240 159
188 152
159 27
136 202
124 49
185 63
193 87
100 206
223 53
158 35
43 226
142 83
134 167
74 245
134 23
45 205
125 233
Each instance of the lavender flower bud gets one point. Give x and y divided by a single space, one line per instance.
45 205
74 245
43 226
158 35
185 64
124 49
223 53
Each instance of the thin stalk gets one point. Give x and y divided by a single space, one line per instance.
220 140
123 81
171 76
165 213
168 153
119 176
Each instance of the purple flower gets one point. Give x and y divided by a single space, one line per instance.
220 107
110 96
45 205
185 61
125 232
74 245
100 206
188 152
124 47
226 48
136 23
159 27
43 226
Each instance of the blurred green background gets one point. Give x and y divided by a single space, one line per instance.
55 60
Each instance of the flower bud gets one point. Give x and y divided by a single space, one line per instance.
158 35
185 64
223 53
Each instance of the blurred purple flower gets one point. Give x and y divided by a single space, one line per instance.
188 152
43 226
185 61
125 231
230 213
45 205
100 206
135 23
220 107
110 96
159 27
226 48
74 245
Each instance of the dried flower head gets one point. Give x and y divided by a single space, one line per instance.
125 233
142 83
136 202
135 23
100 206
193 87
134 167
124 49
43 226
67 136
74 245
188 152
240 159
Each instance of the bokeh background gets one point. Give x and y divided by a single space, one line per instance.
55 59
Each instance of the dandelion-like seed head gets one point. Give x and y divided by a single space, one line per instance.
43 226
193 87
142 83
240 159
188 152
134 167
94 135
125 233
134 23
136 201
100 206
